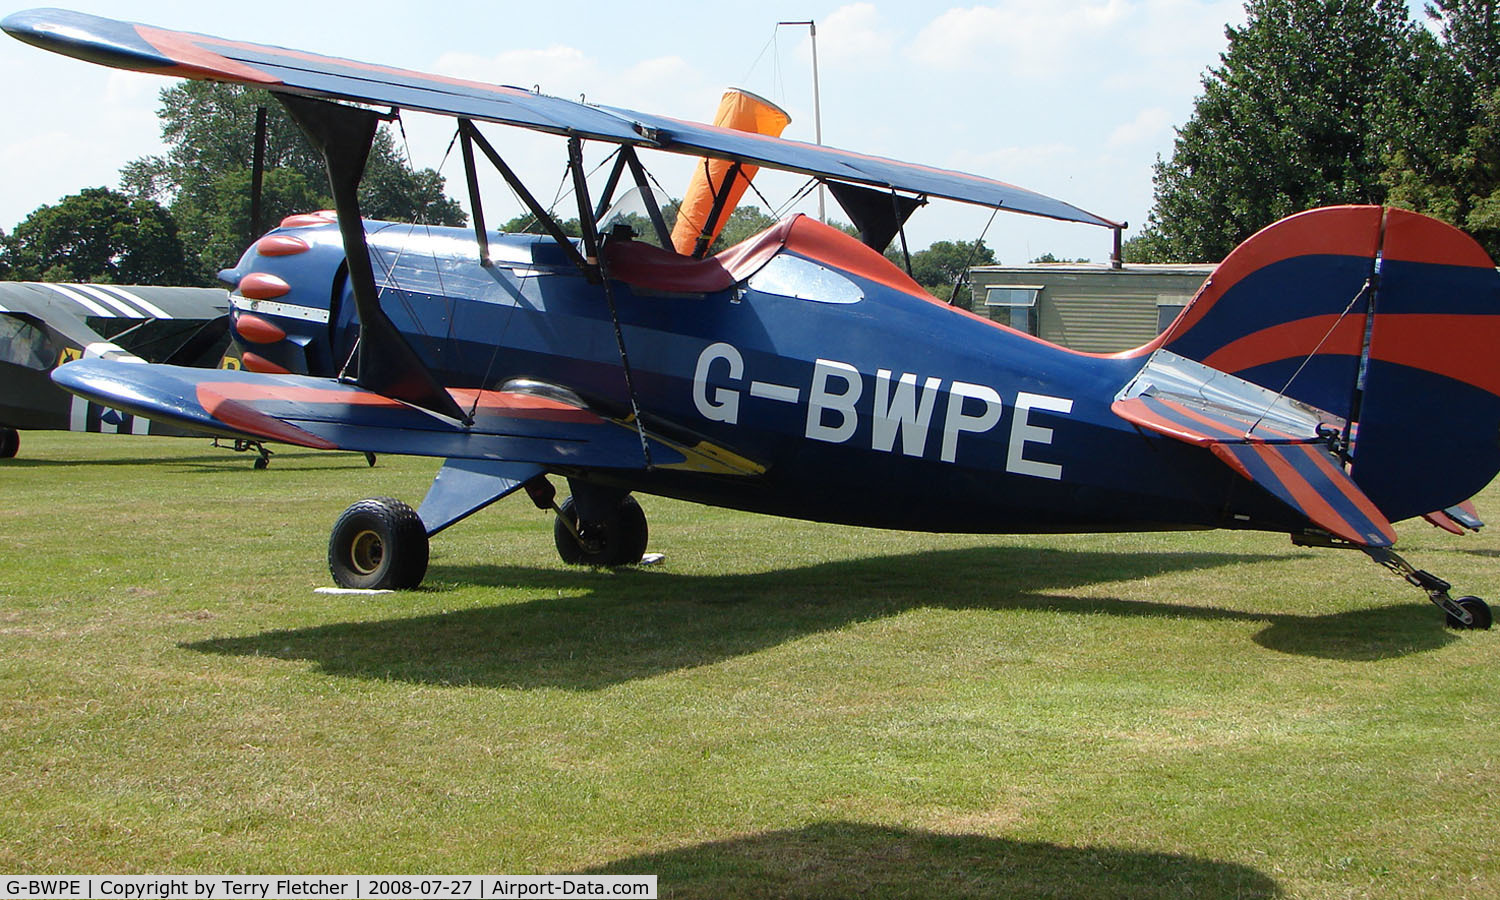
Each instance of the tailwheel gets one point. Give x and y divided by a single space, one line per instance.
1479 613
619 539
1465 613
10 442
378 544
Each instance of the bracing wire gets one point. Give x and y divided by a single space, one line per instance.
389 277
963 274
797 197
1328 334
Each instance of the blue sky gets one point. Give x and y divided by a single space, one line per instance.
1073 98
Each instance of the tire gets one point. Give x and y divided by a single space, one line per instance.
618 541
10 442
1476 608
378 544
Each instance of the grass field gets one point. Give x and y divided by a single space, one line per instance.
780 709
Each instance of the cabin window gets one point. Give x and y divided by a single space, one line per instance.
793 276
1013 305
24 344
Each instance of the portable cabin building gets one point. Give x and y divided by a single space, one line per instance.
1093 308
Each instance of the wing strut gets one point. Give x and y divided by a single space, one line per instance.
721 199
387 363
608 194
467 132
476 202
663 233
585 220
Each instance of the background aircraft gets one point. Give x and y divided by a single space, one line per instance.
1333 376
45 325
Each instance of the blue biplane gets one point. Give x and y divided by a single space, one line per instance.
1334 375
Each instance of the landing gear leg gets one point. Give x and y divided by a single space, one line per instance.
594 527
1465 613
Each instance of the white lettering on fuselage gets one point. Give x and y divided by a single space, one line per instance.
724 406
902 412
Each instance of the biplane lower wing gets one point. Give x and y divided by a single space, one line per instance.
327 414
1301 470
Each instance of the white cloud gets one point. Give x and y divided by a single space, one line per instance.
1161 40
1036 36
1149 125
855 35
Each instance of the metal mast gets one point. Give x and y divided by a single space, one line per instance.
812 30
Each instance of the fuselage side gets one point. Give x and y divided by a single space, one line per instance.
865 401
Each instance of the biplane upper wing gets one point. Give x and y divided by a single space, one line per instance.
327 414
1284 447
145 48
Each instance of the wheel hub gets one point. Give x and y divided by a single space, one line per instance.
366 552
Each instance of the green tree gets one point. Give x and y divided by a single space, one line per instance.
526 223
205 175
1302 111
944 264
746 221
1450 168
1471 36
98 235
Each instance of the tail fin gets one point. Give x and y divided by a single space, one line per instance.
1383 317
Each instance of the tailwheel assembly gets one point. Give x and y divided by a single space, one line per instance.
1464 614
378 544
1479 613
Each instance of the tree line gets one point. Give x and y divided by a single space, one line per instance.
178 218
1320 102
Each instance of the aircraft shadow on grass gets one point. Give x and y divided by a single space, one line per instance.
590 629
848 859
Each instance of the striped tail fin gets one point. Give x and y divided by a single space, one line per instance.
1382 317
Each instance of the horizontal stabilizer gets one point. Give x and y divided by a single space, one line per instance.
327 414
1300 470
1460 519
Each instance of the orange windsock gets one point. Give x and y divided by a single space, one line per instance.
742 111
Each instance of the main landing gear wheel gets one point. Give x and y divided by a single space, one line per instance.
620 540
378 544
1475 607
10 442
